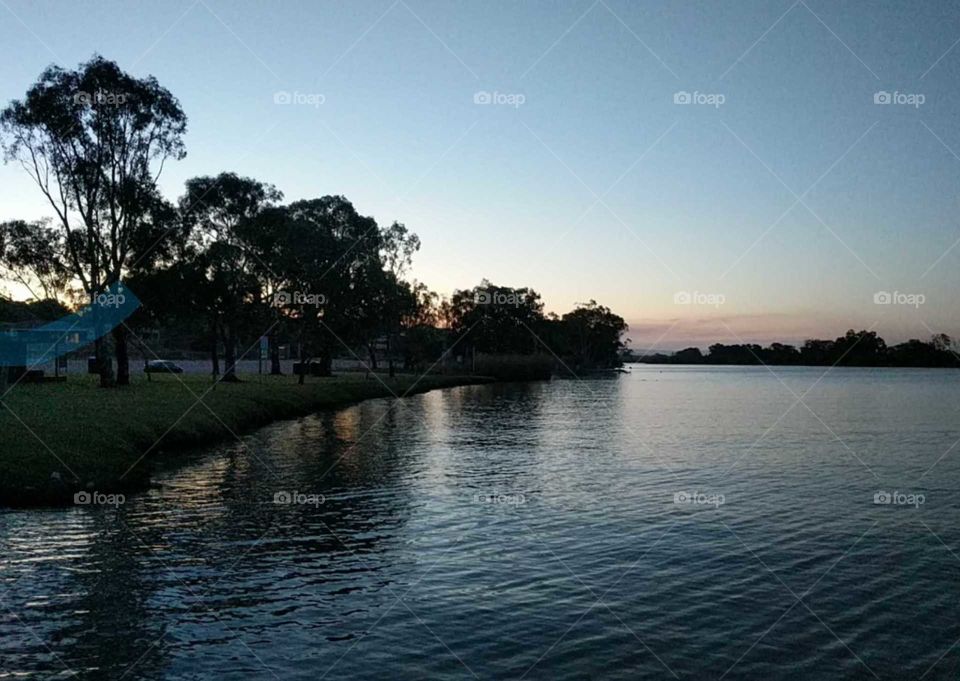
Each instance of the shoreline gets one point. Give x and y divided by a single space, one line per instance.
61 439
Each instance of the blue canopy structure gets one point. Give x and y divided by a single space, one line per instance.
32 346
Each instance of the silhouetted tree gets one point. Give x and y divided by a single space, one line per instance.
688 356
343 265
95 140
496 319
816 352
859 348
594 334
33 253
222 212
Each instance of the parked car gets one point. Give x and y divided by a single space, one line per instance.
156 366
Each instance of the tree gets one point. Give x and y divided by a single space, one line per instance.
32 253
747 353
942 342
335 261
496 319
916 353
265 236
13 311
222 213
424 340
859 348
595 334
688 356
399 299
816 352
95 141
778 353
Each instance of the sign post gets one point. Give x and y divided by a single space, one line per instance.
264 353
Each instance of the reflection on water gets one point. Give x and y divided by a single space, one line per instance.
673 522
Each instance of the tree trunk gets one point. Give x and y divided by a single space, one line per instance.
371 351
326 362
214 354
393 370
230 356
123 357
104 365
100 349
274 354
301 378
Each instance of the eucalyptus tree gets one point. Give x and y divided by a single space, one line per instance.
397 249
33 254
95 140
496 319
222 213
266 236
338 266
424 338
595 336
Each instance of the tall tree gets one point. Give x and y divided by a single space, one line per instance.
399 300
265 235
222 212
340 261
496 319
595 334
95 141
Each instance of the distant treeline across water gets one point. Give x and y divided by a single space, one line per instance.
855 348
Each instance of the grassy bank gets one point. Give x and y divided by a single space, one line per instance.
56 439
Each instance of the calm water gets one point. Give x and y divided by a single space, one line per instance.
676 522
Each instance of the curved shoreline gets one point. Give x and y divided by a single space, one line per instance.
61 439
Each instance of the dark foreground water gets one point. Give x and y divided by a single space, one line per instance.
673 523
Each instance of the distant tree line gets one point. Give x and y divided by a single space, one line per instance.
229 261
17 311
855 348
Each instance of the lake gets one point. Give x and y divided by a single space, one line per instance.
708 522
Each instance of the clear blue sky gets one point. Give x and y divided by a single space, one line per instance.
692 198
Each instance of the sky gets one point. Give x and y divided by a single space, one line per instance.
713 172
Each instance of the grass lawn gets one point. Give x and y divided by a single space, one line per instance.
58 438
